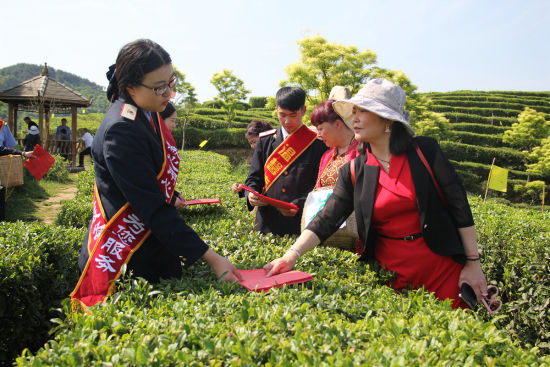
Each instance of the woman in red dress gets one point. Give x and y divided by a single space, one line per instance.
426 239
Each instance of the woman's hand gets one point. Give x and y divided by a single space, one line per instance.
473 275
282 264
255 200
223 268
180 202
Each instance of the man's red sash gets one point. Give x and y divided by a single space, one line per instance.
286 153
111 243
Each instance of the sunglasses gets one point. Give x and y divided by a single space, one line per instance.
491 302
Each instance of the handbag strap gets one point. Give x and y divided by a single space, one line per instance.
352 171
423 159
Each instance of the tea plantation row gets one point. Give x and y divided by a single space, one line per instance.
478 122
345 316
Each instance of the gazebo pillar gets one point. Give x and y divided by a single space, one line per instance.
15 108
74 134
11 123
47 125
41 125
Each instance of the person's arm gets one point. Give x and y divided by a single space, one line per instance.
337 209
459 208
307 241
472 273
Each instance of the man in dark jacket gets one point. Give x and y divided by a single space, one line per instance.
284 166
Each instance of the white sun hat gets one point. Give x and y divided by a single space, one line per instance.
379 96
33 130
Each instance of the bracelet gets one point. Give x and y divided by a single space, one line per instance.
295 250
473 259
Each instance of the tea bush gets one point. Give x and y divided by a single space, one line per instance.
58 171
346 316
506 157
37 270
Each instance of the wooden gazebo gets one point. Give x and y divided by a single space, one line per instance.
46 96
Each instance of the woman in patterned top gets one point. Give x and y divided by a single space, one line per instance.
336 135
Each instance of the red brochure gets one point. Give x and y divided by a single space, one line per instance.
274 202
202 201
41 164
256 280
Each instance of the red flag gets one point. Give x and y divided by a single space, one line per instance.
41 164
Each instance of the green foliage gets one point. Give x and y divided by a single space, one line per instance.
470 153
324 64
478 128
231 91
531 192
515 243
455 116
58 171
257 102
495 113
484 140
434 125
38 268
345 316
541 156
217 138
528 131
77 212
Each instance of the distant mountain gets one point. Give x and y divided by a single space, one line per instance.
13 75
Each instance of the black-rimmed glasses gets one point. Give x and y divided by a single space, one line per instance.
159 91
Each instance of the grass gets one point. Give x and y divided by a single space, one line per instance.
24 202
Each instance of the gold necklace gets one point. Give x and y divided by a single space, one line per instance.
383 160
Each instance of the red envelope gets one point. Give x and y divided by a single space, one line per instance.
202 201
256 280
41 164
274 202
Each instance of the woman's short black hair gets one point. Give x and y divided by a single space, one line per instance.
168 111
134 60
401 139
255 127
291 98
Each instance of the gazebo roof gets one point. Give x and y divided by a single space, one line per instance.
44 90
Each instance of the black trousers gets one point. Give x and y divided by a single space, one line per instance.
81 155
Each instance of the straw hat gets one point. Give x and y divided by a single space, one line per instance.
379 96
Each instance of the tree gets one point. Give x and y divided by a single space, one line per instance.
541 155
528 131
185 102
231 91
323 65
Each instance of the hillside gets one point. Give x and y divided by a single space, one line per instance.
12 75
478 121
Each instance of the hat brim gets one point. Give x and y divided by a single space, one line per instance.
344 109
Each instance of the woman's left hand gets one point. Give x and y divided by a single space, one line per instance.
473 275
180 202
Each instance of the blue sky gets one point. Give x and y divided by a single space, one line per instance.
440 45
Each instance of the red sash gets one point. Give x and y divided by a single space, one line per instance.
286 153
111 243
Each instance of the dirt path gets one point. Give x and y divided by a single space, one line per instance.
48 209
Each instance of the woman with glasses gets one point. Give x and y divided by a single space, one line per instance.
136 168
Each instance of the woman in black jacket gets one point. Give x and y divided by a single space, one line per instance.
426 238
135 221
